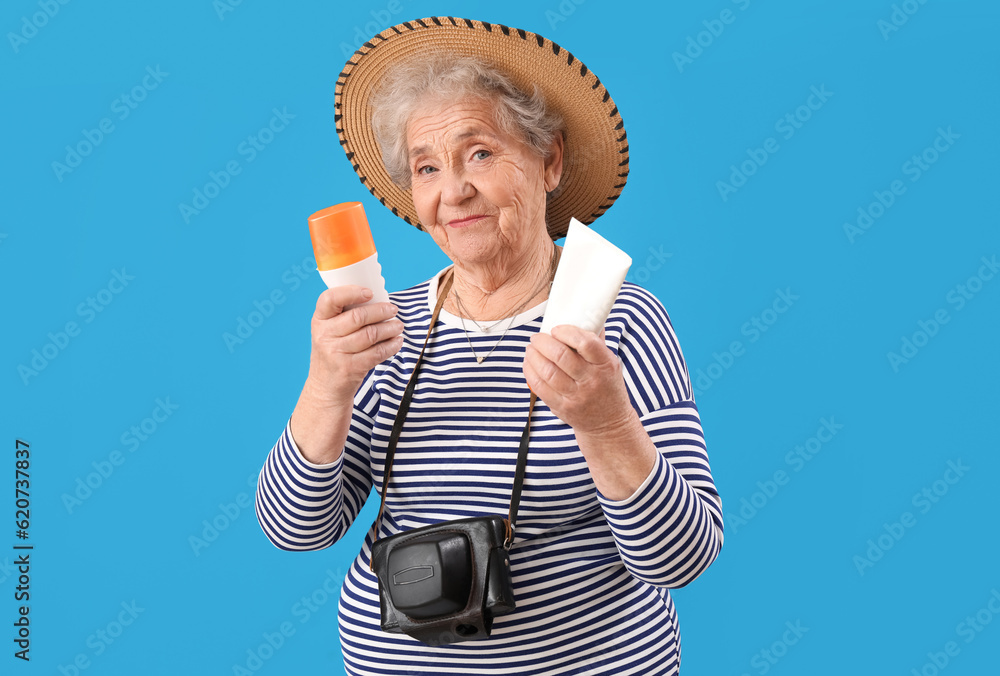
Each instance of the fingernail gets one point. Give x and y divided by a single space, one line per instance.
367 294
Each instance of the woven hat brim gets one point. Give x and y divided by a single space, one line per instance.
595 156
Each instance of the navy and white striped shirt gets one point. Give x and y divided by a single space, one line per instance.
591 575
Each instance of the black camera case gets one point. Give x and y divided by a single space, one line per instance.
445 583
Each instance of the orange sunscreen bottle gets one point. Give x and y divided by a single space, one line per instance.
345 251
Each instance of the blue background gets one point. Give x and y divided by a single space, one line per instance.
717 262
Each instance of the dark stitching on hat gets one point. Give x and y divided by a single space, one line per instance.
619 125
569 59
436 20
623 162
623 175
523 33
407 219
369 45
614 197
364 179
344 73
488 27
395 211
407 24
357 167
452 19
583 70
597 83
613 112
382 200
336 117
540 40
505 29
371 190
620 186
421 22
623 150
398 32
469 23
350 155
555 49
606 96
343 141
622 137
380 37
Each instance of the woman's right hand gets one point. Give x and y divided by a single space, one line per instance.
347 344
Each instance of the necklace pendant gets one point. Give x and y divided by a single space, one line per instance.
479 360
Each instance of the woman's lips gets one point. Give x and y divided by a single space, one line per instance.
465 221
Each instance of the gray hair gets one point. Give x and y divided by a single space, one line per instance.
450 77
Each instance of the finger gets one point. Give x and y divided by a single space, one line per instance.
587 344
370 334
349 321
561 354
541 389
378 353
548 372
333 301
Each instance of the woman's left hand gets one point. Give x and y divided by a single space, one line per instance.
579 378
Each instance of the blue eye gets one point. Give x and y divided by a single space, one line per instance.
480 152
420 170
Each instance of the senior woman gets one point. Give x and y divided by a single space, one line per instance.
488 138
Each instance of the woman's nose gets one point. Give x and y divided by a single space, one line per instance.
456 187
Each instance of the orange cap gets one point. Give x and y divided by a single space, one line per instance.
340 235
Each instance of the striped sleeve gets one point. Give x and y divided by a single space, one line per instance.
670 530
301 505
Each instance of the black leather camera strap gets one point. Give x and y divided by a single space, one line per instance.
404 407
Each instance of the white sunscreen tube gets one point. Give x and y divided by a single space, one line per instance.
590 274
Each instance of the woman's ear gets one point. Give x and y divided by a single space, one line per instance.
554 163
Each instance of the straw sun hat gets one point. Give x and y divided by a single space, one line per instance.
595 160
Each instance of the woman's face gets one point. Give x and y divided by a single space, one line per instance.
479 192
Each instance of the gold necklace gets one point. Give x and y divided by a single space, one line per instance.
464 311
